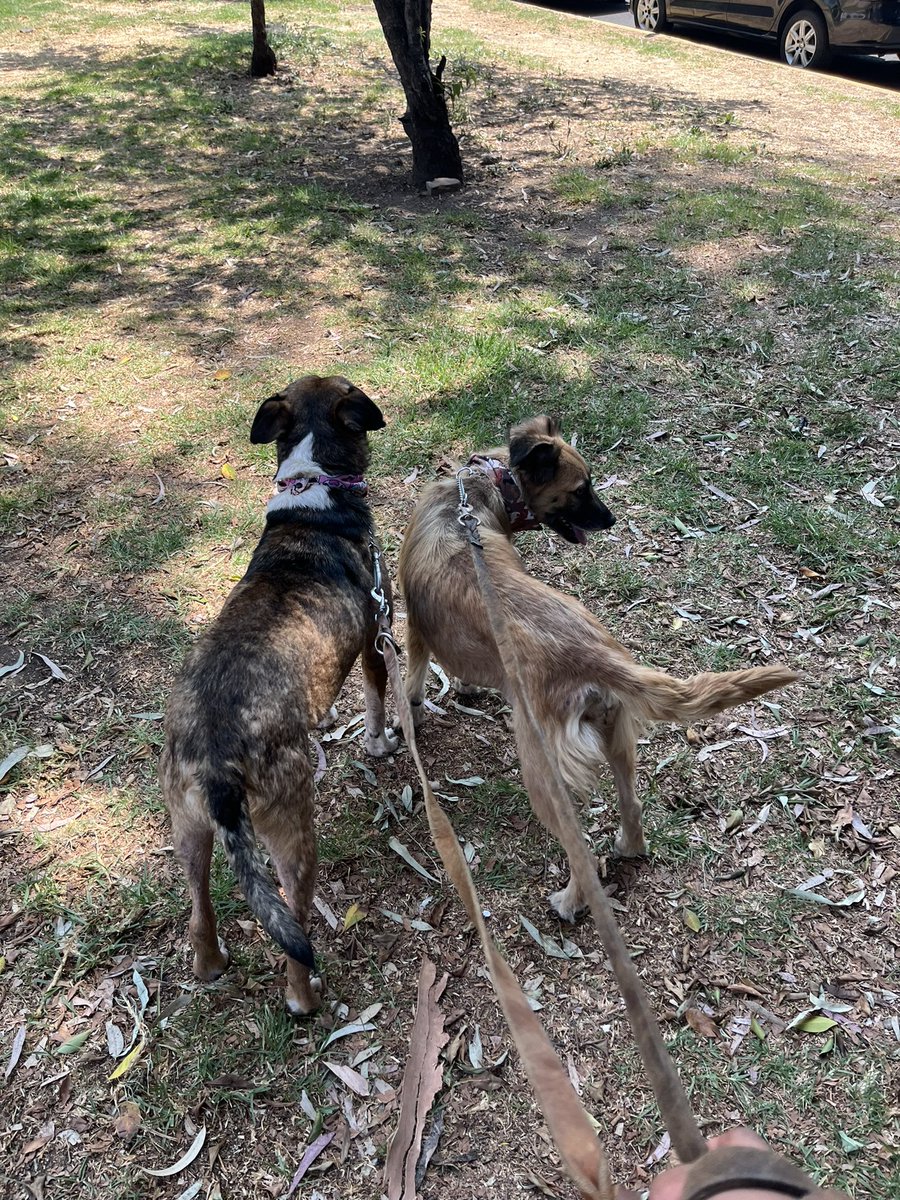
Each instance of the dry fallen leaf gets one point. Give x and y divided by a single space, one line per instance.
422 1079
350 1078
16 1051
128 1120
691 920
312 1153
353 916
185 1160
128 1061
222 375
55 670
13 759
228 471
401 850
45 1134
701 1023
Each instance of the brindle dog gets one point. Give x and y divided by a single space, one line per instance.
587 693
236 758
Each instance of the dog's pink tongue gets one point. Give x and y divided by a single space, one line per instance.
580 535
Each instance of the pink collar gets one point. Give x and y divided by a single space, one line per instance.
351 483
520 515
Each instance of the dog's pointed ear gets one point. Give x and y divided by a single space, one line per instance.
271 419
354 410
535 427
538 462
531 452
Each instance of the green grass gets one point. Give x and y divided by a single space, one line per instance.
578 187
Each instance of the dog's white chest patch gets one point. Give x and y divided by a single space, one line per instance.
300 464
300 461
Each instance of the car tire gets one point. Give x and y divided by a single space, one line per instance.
804 40
650 15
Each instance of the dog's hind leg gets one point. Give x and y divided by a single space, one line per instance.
619 749
288 834
416 671
379 740
193 840
569 901
329 719
470 691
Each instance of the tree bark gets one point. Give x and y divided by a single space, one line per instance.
263 61
407 30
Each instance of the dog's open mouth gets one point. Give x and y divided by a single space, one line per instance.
572 533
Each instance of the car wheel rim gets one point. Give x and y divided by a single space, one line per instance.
648 14
800 44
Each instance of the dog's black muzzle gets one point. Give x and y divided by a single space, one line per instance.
580 520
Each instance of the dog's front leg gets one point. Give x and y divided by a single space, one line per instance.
379 740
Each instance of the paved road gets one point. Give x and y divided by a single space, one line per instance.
879 72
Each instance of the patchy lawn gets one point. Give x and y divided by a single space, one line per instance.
693 260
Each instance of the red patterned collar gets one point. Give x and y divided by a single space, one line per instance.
520 515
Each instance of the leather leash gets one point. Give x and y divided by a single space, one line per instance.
570 1126
673 1104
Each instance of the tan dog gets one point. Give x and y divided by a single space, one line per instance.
236 758
587 693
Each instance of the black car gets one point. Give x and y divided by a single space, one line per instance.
809 32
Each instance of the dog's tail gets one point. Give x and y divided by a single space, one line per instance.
655 696
228 807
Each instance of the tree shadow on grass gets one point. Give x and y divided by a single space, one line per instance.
170 185
164 186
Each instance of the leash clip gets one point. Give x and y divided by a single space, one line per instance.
377 592
465 513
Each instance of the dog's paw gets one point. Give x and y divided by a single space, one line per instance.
567 904
378 745
209 964
467 690
329 719
627 849
303 1001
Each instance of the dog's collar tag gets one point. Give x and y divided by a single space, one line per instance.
302 483
520 515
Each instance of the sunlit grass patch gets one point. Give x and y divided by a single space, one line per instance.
578 187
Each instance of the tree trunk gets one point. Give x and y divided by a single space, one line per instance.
407 29
263 61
